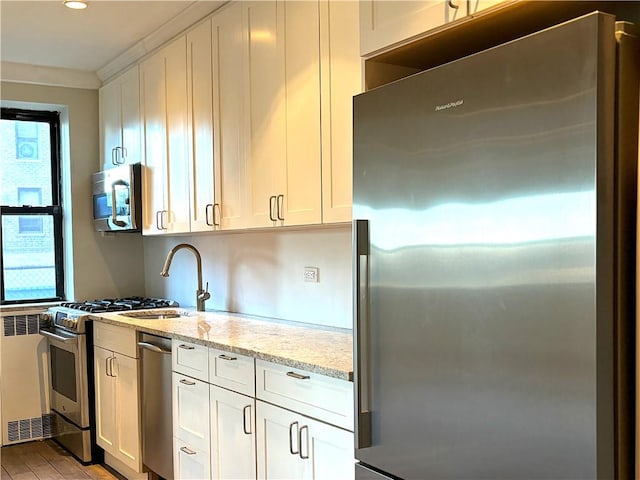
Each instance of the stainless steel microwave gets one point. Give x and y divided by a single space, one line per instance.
117 199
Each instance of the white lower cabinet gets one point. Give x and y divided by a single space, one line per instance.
189 462
293 446
233 442
257 420
191 410
117 396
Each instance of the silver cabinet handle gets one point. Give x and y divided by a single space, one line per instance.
454 4
247 430
280 206
190 383
306 429
114 160
188 451
186 347
272 208
118 155
298 376
362 420
111 361
157 220
297 452
107 362
227 357
154 348
206 214
216 215
162 217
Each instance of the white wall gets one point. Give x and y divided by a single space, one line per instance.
95 266
260 273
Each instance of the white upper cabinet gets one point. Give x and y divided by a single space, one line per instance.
166 182
299 184
265 121
341 77
384 23
247 119
228 42
200 112
120 122
303 69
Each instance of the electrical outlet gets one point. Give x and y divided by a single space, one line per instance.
311 274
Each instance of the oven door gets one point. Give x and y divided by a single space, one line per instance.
68 365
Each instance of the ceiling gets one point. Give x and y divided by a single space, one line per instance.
46 33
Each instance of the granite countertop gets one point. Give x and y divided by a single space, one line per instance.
315 349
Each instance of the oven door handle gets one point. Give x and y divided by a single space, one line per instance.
59 338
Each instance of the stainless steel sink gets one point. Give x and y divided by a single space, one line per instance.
155 315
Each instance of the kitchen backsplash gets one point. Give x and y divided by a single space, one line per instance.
260 273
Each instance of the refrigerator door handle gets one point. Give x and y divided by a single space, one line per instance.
361 382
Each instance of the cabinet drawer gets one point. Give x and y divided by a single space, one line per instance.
118 339
232 371
190 410
190 461
190 359
327 399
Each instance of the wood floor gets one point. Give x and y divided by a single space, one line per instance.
46 460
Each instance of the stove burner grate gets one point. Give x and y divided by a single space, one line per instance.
119 304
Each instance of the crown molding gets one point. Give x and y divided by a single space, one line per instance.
51 76
178 24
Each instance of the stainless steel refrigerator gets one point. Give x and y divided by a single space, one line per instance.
494 262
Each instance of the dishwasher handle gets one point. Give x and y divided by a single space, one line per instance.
154 348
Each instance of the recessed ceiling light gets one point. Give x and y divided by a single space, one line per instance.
75 4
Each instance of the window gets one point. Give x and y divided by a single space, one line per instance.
30 209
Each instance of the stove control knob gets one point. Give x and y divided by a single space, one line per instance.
46 317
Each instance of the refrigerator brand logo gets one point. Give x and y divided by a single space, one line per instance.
457 103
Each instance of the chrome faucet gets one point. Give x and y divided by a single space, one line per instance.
201 295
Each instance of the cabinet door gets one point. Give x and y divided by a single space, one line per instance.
179 170
130 114
106 435
200 114
127 406
278 452
152 72
229 54
110 123
191 410
327 451
299 182
189 462
265 107
233 452
341 80
386 22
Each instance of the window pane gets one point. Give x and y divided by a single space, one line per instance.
28 260
24 160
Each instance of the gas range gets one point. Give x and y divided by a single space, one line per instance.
72 316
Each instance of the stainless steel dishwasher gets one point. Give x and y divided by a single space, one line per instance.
157 437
